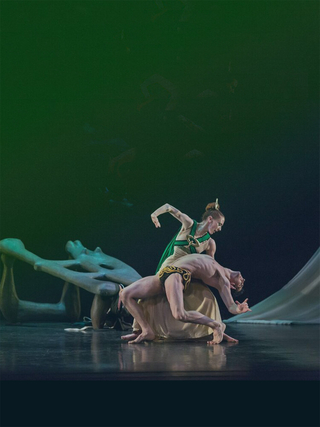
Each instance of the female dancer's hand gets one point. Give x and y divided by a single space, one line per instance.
243 307
155 220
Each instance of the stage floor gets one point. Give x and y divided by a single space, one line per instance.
44 351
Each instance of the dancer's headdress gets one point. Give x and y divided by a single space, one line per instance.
213 206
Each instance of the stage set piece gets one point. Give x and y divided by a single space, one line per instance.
93 271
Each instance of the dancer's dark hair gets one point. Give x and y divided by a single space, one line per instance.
212 209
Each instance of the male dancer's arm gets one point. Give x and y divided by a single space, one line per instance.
166 208
211 251
222 284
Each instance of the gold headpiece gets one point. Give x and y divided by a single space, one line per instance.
217 206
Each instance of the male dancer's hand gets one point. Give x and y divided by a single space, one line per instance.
242 307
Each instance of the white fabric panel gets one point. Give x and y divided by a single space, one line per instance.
297 302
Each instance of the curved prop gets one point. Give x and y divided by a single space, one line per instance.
93 271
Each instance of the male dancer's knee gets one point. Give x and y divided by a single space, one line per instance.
179 314
125 296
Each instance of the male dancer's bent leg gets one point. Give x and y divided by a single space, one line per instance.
174 292
144 288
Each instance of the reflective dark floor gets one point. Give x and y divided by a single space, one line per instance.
41 351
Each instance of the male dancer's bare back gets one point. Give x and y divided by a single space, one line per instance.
210 272
202 267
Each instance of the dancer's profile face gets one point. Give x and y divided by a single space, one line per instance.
239 281
215 225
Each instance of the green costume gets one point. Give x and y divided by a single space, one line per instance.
189 244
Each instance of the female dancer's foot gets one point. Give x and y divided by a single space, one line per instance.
131 336
229 339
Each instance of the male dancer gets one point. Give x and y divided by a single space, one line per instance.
172 280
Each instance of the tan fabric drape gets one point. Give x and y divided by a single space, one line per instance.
158 314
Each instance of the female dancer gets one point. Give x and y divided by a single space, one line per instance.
193 237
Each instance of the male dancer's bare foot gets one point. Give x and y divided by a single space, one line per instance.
229 339
218 331
144 336
131 336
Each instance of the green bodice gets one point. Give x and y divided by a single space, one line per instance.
191 243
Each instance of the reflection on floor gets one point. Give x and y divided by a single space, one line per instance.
44 351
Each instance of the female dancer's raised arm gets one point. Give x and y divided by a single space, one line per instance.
185 220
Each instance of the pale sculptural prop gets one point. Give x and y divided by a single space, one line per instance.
93 271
